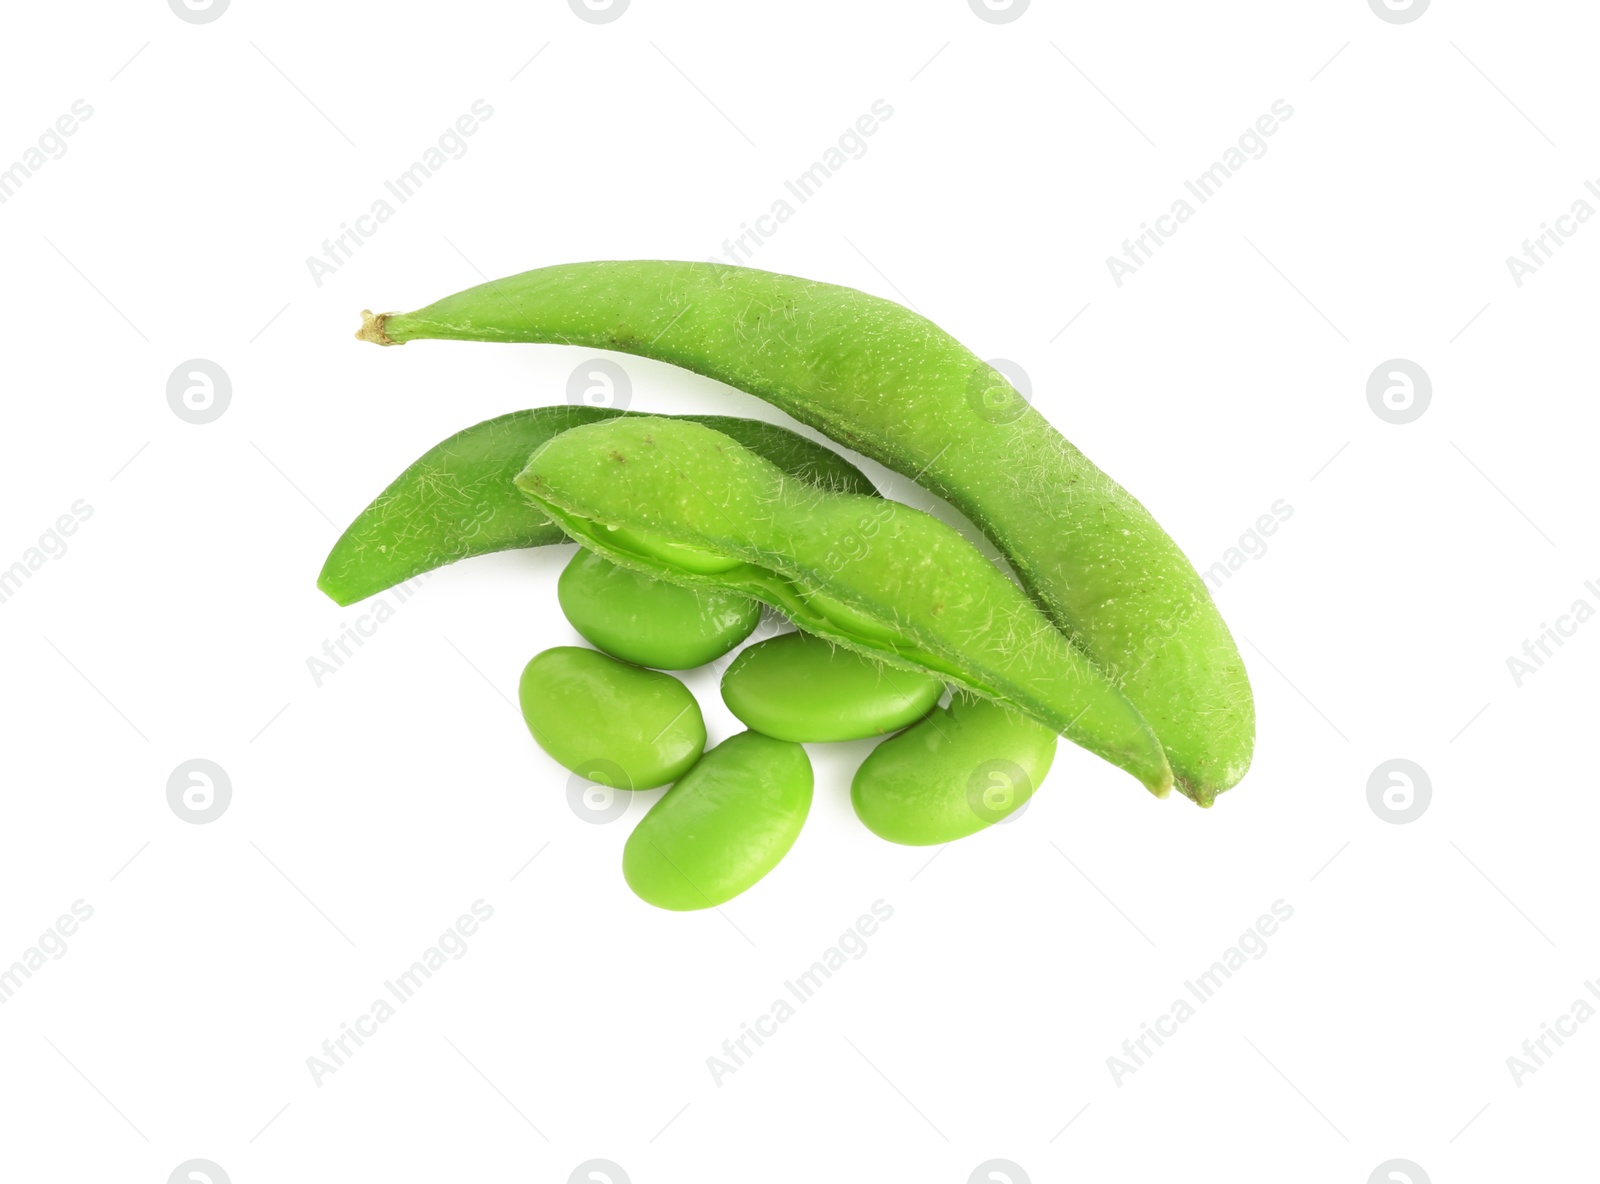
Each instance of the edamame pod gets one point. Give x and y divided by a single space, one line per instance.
651 622
963 768
888 382
457 500
801 688
610 722
688 504
721 828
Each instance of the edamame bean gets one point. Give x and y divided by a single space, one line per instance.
685 503
722 827
893 385
799 687
457 499
610 722
651 622
963 768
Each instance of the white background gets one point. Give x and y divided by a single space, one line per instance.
369 812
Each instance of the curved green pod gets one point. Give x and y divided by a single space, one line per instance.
727 822
456 500
682 502
889 383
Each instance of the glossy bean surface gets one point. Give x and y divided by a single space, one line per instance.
723 826
608 721
965 767
802 688
648 621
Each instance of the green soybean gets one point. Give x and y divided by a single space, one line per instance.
651 622
610 722
799 687
963 768
457 499
688 504
722 827
891 384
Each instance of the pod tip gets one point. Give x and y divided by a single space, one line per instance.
372 328
1202 795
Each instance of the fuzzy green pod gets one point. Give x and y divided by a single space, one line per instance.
456 500
688 504
891 384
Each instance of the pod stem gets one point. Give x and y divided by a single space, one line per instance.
372 328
